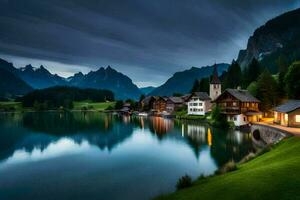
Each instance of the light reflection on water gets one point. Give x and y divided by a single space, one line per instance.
116 157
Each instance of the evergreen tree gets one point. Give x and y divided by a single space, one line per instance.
283 67
267 91
204 85
233 77
252 88
195 86
292 81
251 73
142 97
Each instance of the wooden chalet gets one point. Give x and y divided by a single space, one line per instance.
239 106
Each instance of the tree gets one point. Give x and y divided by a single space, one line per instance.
292 81
218 119
119 105
252 88
267 91
142 97
204 85
251 73
176 94
195 87
283 67
233 77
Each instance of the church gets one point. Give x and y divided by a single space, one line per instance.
239 106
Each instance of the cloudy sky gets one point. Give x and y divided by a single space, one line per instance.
148 40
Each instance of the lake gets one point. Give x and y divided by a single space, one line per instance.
91 155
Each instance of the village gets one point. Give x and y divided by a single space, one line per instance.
239 106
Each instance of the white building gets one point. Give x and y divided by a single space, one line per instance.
215 85
199 103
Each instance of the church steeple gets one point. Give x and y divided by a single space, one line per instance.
215 78
215 84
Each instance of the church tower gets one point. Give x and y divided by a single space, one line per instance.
215 85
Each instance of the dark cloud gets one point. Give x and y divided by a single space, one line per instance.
147 40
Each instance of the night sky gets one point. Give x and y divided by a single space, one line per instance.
148 40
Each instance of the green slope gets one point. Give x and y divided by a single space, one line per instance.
274 175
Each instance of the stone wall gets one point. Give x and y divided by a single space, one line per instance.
267 135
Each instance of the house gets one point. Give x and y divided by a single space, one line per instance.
199 103
174 103
288 114
153 103
147 103
215 84
239 106
126 108
159 104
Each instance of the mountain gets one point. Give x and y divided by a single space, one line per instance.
278 37
40 78
182 82
109 79
11 85
146 90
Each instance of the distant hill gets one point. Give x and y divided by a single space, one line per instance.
182 82
279 36
107 78
147 90
11 85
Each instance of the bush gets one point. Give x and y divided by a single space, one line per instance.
184 182
218 119
109 108
228 167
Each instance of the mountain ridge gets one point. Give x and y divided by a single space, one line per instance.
182 82
278 36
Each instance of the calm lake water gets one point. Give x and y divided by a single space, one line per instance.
99 156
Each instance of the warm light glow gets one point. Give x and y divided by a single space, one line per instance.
286 117
275 115
209 137
297 118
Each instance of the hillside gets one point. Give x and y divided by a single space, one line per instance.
274 175
147 90
279 36
11 85
182 82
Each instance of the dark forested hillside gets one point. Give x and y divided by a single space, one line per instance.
182 82
56 97
11 85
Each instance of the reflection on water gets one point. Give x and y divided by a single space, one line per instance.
89 155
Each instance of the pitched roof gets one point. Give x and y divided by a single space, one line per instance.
289 106
215 78
201 95
242 95
176 99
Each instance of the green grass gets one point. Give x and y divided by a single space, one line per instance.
273 175
11 106
92 106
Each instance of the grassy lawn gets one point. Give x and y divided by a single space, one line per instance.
92 106
11 106
273 175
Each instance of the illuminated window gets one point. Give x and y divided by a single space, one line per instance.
286 117
297 118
